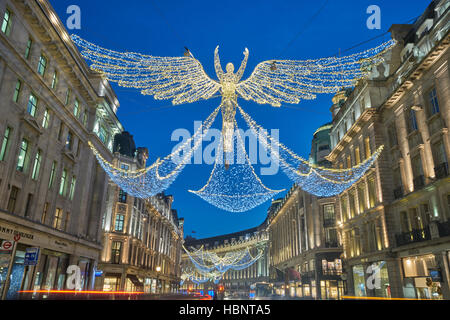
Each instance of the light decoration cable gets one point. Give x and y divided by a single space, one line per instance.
319 181
273 82
235 188
147 182
210 267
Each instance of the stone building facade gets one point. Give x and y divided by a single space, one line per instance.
52 191
240 282
142 239
394 221
305 252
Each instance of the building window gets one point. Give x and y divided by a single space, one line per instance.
357 156
62 185
37 165
72 187
14 194
412 120
54 79
6 25
367 147
349 162
23 156
28 48
119 223
5 144
69 141
28 205
68 93
102 134
433 102
352 199
85 118
46 119
32 105
76 108
52 175
361 198
372 192
329 217
66 221
17 91
42 65
122 196
45 212
116 250
124 167
58 219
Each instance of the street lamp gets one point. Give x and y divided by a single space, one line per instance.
158 270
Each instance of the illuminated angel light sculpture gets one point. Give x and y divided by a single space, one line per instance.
273 82
209 266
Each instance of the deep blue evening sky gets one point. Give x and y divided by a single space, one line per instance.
162 28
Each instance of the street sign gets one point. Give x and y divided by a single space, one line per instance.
31 256
16 237
6 245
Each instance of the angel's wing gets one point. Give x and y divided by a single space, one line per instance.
180 79
277 81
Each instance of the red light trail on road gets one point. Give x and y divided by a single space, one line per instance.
80 292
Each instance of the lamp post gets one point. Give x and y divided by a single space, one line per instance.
158 270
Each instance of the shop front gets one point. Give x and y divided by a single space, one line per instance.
422 278
48 271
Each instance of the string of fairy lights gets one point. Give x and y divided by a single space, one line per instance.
209 266
319 181
233 184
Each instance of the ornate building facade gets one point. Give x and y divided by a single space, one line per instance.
234 282
305 254
52 191
142 239
394 221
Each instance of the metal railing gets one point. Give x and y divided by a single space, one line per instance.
416 235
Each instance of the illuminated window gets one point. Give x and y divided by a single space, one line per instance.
62 185
32 105
42 65
17 91
367 147
349 162
116 250
119 223
122 196
76 108
372 192
45 212
72 187
54 80
6 25
357 156
58 219
23 156
46 119
5 144
37 165
69 140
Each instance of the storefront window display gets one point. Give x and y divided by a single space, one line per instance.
359 281
418 268
384 290
111 283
